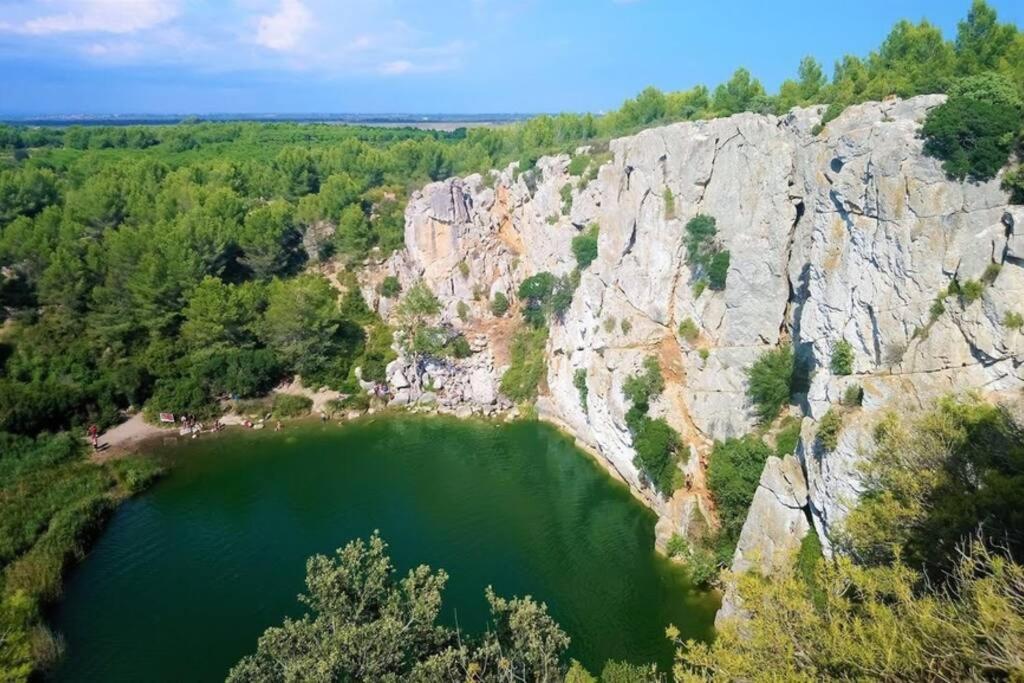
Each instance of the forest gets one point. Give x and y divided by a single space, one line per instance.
165 268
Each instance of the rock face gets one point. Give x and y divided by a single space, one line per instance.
848 234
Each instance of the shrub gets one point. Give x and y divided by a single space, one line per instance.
973 131
527 368
937 309
971 291
566 194
842 358
787 437
991 273
769 382
459 347
578 165
853 397
656 445
390 287
625 672
688 330
499 304
733 475
289 405
646 385
609 324
1013 321
698 288
181 395
829 428
704 353
463 269
579 380
677 546
718 270
700 231
1013 182
584 247
625 326
670 204
462 309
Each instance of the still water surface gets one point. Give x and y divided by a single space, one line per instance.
187 576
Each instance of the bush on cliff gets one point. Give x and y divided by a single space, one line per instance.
733 474
527 365
974 131
769 382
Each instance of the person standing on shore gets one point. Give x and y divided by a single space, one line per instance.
94 436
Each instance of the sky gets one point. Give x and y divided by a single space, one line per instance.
418 56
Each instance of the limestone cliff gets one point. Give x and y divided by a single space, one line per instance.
849 233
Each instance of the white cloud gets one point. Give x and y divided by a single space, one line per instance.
283 30
94 16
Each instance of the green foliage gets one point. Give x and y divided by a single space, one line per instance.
688 330
655 442
869 623
390 287
991 273
464 269
935 480
625 672
54 503
291 405
1013 321
970 291
974 131
527 366
734 471
787 437
937 309
718 270
769 382
829 429
579 380
708 261
566 194
676 546
853 397
625 326
366 623
669 200
842 358
304 326
657 452
584 247
462 310
499 304
544 294
646 385
578 165
1013 182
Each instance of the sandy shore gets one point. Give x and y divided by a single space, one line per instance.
129 436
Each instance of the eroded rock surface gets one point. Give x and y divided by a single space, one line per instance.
849 234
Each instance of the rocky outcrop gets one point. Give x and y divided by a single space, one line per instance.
847 234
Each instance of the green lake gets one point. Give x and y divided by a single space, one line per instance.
186 577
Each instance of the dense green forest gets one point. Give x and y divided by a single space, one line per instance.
165 267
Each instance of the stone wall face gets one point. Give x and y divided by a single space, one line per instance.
845 235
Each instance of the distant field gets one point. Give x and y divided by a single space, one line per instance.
439 122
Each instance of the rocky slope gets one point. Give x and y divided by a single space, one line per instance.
846 234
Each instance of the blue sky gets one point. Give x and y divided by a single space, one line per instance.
417 56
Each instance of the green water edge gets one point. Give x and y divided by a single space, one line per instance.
514 505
